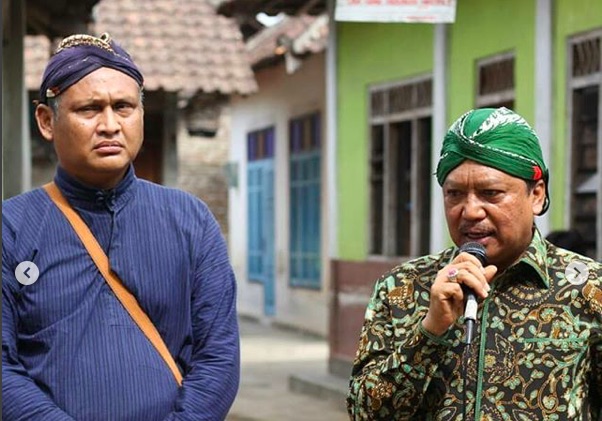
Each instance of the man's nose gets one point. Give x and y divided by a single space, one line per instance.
473 208
109 121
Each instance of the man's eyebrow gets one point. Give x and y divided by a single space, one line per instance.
454 184
99 100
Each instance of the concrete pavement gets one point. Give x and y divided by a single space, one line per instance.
272 357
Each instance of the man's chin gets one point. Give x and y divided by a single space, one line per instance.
111 164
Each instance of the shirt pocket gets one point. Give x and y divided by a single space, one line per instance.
561 345
551 373
551 354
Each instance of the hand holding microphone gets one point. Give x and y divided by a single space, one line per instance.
456 288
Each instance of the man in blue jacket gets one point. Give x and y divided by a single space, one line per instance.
70 349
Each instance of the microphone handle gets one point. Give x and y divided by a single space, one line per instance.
470 314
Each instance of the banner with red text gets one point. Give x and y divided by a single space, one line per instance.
425 11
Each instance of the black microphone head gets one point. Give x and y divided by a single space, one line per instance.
476 249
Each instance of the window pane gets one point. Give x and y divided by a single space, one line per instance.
497 76
586 57
585 167
377 189
305 202
423 184
401 149
260 144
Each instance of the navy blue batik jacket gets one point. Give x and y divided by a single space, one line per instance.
70 350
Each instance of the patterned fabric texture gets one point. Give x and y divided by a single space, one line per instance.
536 354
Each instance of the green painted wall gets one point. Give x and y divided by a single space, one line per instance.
484 29
571 17
368 54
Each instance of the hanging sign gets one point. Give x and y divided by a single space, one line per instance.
418 11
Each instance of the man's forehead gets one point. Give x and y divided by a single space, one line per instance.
105 75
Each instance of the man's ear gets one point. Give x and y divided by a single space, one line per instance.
538 195
45 120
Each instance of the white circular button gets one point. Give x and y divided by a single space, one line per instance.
27 272
576 272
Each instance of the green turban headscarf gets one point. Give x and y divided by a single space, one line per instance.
498 138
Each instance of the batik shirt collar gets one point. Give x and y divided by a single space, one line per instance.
535 257
88 197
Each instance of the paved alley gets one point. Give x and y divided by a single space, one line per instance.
270 355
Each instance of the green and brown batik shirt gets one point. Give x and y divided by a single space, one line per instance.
536 354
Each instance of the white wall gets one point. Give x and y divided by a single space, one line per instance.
281 97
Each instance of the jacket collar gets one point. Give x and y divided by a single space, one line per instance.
88 197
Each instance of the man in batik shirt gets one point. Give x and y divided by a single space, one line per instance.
537 346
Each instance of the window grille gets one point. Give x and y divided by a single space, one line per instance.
377 103
495 83
586 57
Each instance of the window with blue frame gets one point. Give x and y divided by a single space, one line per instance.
260 179
305 175
260 144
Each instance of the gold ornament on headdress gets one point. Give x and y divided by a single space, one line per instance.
104 42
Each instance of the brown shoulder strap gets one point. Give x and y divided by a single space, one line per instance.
100 258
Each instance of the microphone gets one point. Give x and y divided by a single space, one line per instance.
470 311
